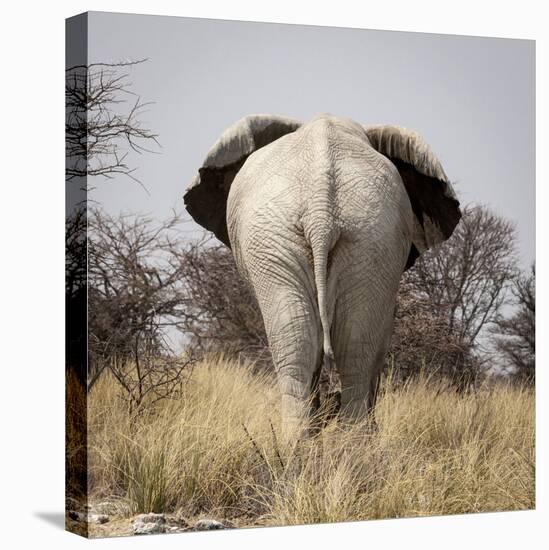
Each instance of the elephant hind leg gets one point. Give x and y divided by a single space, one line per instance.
286 297
360 362
295 339
363 323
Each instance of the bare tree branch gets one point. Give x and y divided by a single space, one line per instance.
103 121
470 274
516 335
135 293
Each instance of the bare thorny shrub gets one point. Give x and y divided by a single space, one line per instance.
517 334
470 273
464 284
223 314
136 294
424 341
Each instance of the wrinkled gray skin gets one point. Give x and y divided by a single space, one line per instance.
323 218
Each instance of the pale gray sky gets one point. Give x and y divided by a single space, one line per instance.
471 98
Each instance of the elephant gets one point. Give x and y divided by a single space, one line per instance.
323 217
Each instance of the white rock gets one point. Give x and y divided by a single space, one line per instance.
151 518
147 528
149 524
208 525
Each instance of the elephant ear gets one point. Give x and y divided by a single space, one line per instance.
434 203
206 197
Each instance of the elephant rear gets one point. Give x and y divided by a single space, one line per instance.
323 218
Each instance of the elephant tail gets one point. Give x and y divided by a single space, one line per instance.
320 264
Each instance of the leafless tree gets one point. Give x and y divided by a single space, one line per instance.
469 275
423 340
223 314
103 120
102 123
135 294
517 334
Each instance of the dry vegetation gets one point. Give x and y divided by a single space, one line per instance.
215 451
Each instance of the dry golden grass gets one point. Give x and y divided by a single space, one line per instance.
215 451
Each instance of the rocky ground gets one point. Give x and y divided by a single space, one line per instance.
109 519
